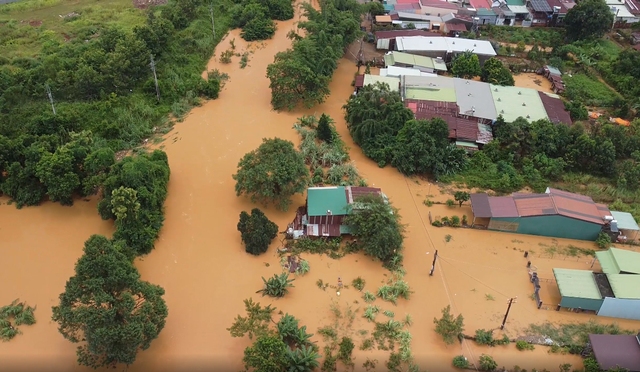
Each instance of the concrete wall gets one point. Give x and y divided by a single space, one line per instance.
581 303
620 308
554 226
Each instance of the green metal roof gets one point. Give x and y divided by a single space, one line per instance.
625 221
431 94
625 285
577 283
390 59
485 12
392 82
615 261
323 199
515 2
513 102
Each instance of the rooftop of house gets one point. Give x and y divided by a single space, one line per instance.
438 88
394 57
395 71
555 109
577 283
474 99
619 261
515 102
444 44
613 351
335 200
625 221
393 82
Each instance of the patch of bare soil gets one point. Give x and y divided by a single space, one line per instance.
35 23
143 4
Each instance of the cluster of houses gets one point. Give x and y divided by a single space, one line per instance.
451 17
415 68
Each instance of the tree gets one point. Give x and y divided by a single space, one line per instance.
376 226
107 306
461 197
448 327
258 28
276 286
589 19
124 203
267 354
273 172
324 129
487 363
494 72
55 171
257 231
256 323
466 65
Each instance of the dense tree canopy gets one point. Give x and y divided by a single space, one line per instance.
374 117
494 72
376 226
466 65
302 73
108 308
257 231
422 147
589 19
273 172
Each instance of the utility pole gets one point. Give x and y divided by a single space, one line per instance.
213 25
155 77
50 98
511 301
433 265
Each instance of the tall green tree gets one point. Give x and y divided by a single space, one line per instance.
466 65
324 129
107 308
494 72
376 226
589 19
449 327
274 172
257 231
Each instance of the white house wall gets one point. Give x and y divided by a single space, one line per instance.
620 308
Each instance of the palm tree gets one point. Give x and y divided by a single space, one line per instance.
277 286
304 359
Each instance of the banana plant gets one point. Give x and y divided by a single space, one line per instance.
303 359
277 286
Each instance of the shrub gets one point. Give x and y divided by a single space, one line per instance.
464 220
450 203
484 337
460 362
358 283
524 345
603 241
346 348
455 221
436 223
276 286
487 363
256 231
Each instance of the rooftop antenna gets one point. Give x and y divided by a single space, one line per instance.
50 98
155 77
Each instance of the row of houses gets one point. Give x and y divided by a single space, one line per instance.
469 107
450 17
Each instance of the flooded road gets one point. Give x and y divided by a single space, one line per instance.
200 262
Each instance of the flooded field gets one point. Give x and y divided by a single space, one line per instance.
201 264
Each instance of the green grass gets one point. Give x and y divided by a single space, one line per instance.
574 333
19 39
588 90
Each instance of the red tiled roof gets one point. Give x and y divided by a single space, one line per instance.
480 4
503 206
555 109
576 206
455 26
398 33
534 204
459 128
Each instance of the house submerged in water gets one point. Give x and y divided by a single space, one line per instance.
326 208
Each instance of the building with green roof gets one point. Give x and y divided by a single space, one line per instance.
619 261
422 63
515 102
578 289
627 225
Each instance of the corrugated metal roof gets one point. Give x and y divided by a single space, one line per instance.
480 205
514 102
383 19
474 98
444 44
323 199
577 283
393 82
359 81
519 9
625 286
503 206
625 261
354 192
576 206
485 134
397 33
625 221
540 6
534 205
484 12
616 351
404 71
431 93
555 109
392 58
452 26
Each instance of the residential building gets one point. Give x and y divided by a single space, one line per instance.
514 102
621 11
487 16
611 351
392 82
386 40
474 99
325 210
627 226
555 213
505 17
555 109
395 71
440 88
422 63
445 47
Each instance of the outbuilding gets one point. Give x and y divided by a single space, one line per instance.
627 225
555 213
613 351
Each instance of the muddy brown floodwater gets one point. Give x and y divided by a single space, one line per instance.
201 263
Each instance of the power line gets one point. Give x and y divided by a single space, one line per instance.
474 278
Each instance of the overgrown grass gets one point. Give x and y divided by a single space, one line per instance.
588 90
395 288
569 250
546 37
574 333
